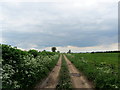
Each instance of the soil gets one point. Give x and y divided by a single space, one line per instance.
77 78
52 79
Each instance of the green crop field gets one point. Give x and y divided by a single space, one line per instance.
101 68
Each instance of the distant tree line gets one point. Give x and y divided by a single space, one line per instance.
107 52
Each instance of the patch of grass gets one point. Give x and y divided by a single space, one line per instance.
64 77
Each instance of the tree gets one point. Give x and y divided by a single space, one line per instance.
69 51
35 53
58 51
54 49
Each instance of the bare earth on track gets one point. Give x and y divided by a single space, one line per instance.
52 79
77 78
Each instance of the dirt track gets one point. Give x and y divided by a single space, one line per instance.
78 79
52 79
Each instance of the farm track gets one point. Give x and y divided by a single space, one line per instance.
77 78
52 79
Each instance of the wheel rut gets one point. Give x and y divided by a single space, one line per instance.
52 79
77 78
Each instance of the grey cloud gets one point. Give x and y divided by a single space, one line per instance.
47 24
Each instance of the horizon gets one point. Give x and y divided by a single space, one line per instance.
50 50
66 25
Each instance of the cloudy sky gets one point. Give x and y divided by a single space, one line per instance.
79 25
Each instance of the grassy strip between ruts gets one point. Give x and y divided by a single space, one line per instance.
64 77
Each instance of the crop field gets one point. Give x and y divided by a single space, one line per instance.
101 68
29 70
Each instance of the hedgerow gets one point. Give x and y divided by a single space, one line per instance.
22 70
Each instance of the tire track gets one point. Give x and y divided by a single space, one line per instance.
78 80
52 79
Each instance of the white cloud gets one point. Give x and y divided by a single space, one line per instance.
1 40
17 1
67 21
27 46
78 13
110 47
88 1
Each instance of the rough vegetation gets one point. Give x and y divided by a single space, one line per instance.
22 69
